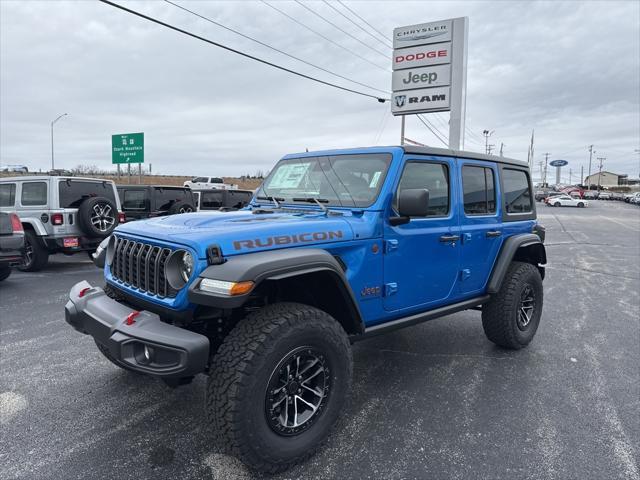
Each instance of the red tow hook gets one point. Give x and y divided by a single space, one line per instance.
131 318
83 292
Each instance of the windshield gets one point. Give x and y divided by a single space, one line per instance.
341 180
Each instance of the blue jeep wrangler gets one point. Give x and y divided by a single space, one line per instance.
336 246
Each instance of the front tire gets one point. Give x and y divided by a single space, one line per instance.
580 205
277 385
511 318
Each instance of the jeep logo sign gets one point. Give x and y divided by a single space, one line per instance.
433 99
436 76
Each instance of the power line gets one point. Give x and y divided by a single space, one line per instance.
272 47
238 52
427 124
358 25
295 20
363 20
341 29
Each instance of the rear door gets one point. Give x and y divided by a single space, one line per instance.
480 223
421 258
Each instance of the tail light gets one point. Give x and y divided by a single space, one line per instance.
16 224
122 217
57 219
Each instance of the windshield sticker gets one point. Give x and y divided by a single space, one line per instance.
374 180
289 176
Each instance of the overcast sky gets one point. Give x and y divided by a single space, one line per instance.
571 70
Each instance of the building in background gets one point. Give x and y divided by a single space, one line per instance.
607 179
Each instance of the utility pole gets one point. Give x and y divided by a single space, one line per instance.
541 163
501 147
546 166
52 124
487 147
570 177
581 174
601 160
589 171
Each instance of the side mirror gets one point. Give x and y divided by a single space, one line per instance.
412 202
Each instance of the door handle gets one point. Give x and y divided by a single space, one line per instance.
449 238
494 233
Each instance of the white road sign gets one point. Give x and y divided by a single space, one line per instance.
432 99
422 34
435 76
422 55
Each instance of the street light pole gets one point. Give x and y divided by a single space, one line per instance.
52 124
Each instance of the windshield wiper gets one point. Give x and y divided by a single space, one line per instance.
275 200
317 201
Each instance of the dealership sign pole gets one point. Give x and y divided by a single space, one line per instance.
430 72
558 164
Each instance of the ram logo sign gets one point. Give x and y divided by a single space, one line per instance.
432 99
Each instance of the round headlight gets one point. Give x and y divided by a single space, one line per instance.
186 266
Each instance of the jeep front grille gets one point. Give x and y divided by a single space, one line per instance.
142 266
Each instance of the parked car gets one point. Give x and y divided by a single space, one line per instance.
551 196
567 201
60 214
635 199
14 169
604 196
590 195
339 246
144 201
11 243
617 196
222 199
207 183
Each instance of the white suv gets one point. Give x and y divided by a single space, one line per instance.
61 214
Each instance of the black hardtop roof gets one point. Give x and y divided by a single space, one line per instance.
173 187
462 154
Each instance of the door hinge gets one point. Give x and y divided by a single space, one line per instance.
390 245
465 273
390 289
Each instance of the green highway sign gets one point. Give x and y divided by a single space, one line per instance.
127 148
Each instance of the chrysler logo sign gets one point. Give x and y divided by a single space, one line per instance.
422 34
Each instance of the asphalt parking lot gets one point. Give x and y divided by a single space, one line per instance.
433 401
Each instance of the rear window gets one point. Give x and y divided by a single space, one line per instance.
74 192
216 180
237 199
166 197
517 195
7 194
211 200
133 200
34 193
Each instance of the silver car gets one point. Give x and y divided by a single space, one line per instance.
61 214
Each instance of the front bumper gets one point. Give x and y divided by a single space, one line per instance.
146 345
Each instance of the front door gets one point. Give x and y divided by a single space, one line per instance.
422 257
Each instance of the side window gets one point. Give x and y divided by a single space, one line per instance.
200 180
7 194
478 190
210 200
432 176
517 196
134 200
34 193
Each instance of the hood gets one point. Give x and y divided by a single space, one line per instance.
242 231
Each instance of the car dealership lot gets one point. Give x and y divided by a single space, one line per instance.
436 400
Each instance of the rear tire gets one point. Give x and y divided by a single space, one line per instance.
97 217
269 361
511 318
36 256
5 271
181 207
580 205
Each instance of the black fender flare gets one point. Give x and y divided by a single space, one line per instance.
277 265
536 254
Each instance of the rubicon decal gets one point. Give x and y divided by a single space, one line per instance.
287 239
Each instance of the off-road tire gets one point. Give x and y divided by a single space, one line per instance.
237 388
5 271
500 315
86 212
105 351
181 207
39 254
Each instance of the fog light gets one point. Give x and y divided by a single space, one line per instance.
148 354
